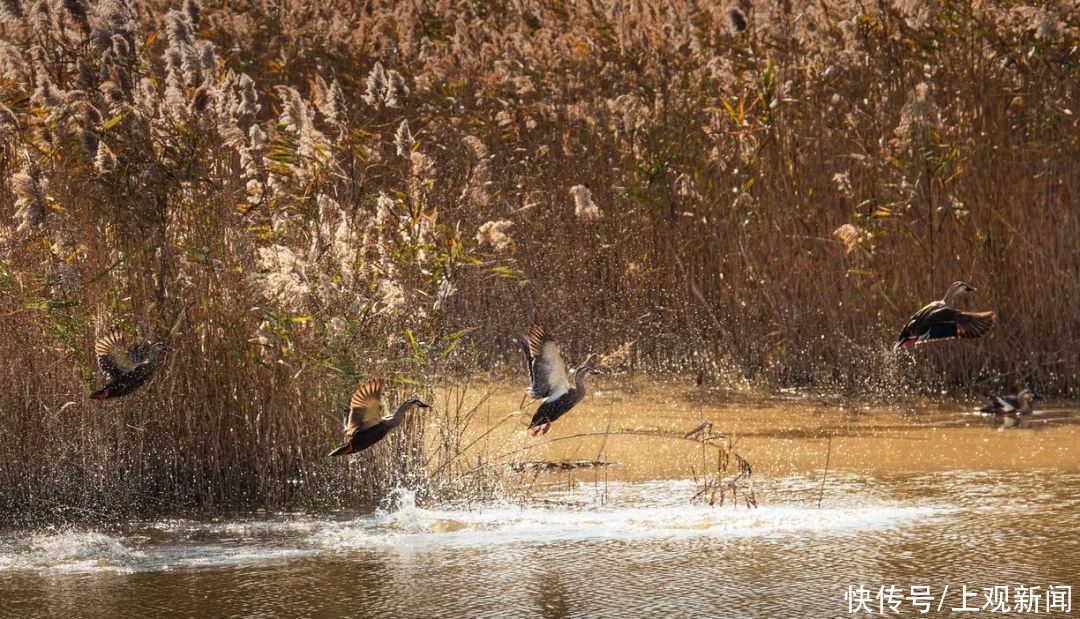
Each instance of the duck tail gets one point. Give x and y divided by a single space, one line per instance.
904 343
344 450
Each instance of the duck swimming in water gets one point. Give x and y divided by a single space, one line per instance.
1010 408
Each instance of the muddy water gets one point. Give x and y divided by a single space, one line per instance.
917 495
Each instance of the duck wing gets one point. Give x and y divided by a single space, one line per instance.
974 324
993 406
1008 403
999 404
547 370
113 357
945 324
365 407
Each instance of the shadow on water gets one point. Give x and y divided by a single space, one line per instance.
550 595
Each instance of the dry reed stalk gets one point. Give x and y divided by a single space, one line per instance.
153 175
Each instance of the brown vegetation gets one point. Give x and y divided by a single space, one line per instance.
316 193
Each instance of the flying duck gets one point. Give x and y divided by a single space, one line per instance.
549 379
364 423
940 321
125 368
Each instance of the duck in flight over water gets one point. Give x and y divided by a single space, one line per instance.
364 423
125 368
549 378
941 321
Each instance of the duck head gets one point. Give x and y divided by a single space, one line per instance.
955 289
586 368
416 402
581 373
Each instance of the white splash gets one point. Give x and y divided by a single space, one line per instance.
68 552
619 511
623 515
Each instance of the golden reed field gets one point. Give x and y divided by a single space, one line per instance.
296 196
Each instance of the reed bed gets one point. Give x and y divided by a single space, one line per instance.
299 196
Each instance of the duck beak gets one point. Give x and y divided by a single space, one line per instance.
423 404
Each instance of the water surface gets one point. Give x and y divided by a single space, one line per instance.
923 495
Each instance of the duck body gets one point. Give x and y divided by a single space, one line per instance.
361 440
1009 404
550 411
939 320
126 383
